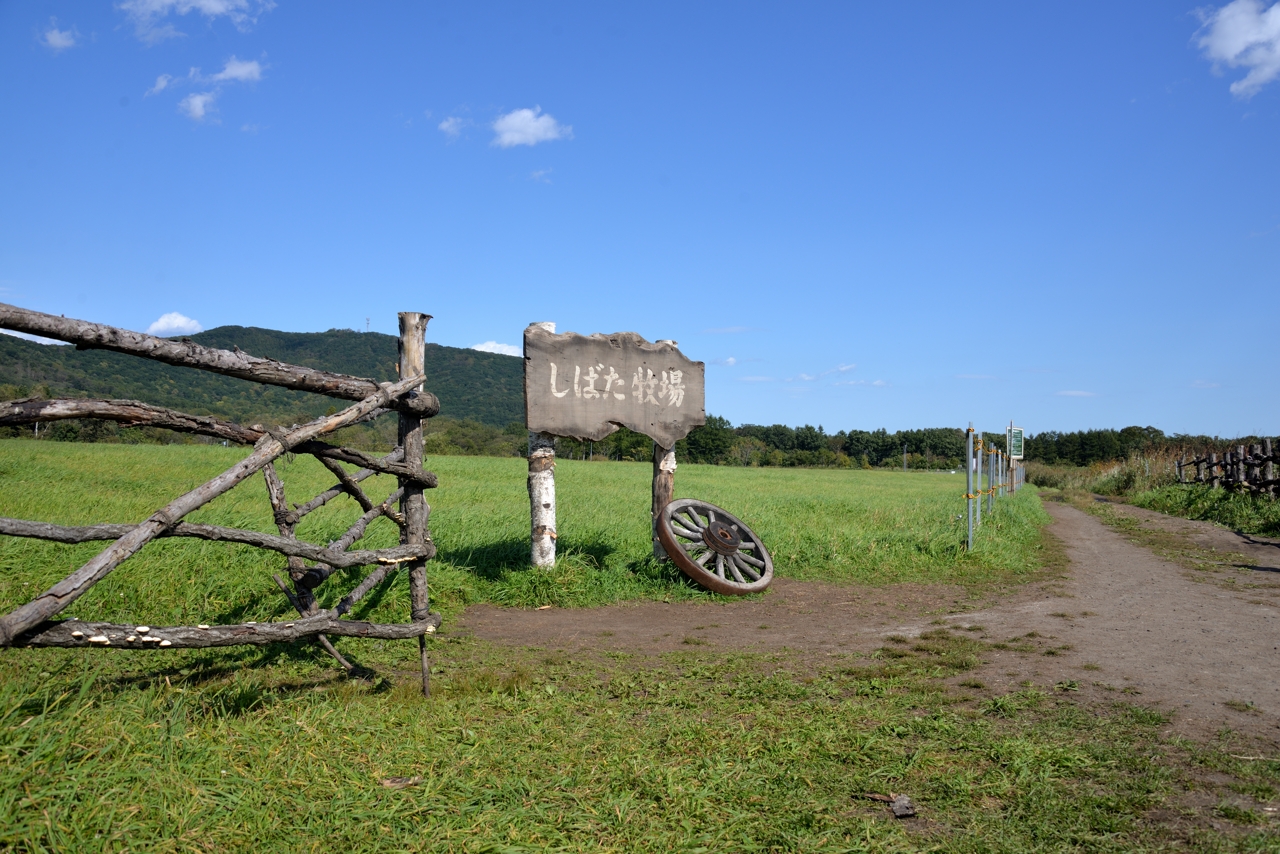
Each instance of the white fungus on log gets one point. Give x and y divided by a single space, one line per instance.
143 630
166 643
77 634
100 639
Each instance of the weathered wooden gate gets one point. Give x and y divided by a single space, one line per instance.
32 624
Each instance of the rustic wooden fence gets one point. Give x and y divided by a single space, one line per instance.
32 624
1250 470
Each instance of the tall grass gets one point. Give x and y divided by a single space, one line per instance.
1139 472
847 526
1150 480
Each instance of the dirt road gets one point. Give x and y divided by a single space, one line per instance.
1122 624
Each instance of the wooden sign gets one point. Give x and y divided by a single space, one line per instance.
586 387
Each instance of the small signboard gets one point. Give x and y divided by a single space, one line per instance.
587 386
1014 442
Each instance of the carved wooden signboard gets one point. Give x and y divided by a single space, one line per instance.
585 387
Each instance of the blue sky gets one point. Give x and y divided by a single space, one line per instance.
858 215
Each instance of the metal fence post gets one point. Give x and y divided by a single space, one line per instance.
968 481
977 503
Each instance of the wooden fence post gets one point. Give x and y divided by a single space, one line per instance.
1241 479
413 330
1269 468
664 485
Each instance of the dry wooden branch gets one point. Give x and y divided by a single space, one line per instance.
362 589
339 558
65 592
312 577
130 412
91 336
76 633
334 491
135 413
352 488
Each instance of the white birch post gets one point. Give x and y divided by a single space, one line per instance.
664 483
542 492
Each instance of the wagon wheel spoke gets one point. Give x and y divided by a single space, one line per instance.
681 532
694 533
745 567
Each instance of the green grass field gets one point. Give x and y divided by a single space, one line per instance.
273 749
854 526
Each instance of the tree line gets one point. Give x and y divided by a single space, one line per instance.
717 442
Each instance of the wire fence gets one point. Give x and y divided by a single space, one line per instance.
1002 474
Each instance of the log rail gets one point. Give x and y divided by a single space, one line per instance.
1251 470
32 624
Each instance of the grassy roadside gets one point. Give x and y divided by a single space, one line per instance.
522 749
528 750
844 526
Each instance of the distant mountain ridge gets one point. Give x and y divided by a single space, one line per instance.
472 385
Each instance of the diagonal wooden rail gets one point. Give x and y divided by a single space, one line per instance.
31 624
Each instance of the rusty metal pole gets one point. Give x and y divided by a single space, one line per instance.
413 504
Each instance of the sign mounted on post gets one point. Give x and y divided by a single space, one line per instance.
1013 437
585 387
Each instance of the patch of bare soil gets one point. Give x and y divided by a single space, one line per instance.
1123 624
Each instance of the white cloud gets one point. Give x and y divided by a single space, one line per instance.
148 16
197 105
240 70
727 362
528 127
1244 35
755 379
174 323
495 347
540 175
162 83
452 126
58 40
804 377
1076 394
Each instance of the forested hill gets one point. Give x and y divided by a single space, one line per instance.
484 387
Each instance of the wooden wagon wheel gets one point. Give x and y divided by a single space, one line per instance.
714 547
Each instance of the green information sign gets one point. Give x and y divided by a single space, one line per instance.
1014 437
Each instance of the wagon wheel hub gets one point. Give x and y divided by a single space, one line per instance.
713 547
721 538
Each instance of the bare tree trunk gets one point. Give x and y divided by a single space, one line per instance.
413 505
